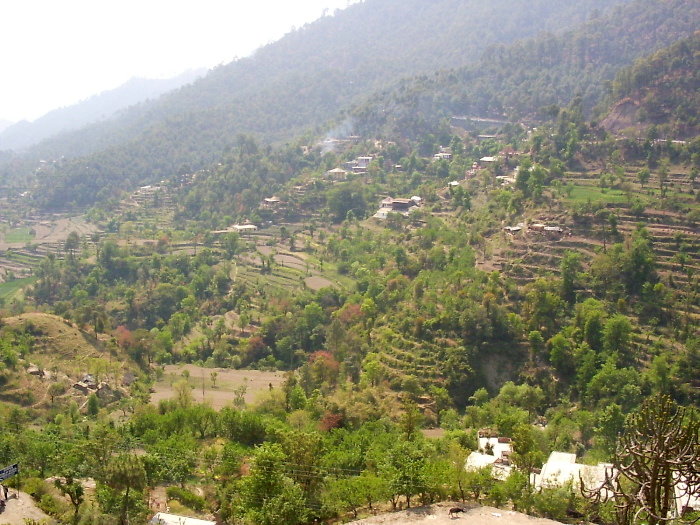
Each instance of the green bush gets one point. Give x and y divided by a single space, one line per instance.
35 487
187 498
50 505
553 503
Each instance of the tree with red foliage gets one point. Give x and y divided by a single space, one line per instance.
324 367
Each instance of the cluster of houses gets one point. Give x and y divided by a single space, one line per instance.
394 205
358 166
553 231
561 468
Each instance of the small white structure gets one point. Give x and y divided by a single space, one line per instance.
561 468
442 156
337 174
245 228
363 162
173 519
505 180
271 201
499 460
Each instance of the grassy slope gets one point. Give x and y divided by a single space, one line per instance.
66 353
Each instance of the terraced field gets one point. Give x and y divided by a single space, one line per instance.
22 249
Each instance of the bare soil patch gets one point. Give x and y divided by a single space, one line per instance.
55 231
438 514
316 283
227 381
58 230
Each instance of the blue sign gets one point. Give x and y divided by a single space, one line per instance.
8 472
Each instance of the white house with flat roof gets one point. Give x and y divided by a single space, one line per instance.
163 518
561 468
499 458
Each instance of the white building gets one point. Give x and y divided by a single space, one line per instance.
499 459
245 228
561 468
173 519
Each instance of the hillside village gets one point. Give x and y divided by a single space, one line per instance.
469 294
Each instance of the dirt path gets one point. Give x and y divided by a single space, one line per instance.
439 515
17 510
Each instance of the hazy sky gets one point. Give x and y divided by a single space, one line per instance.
55 53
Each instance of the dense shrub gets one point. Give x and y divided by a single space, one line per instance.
187 498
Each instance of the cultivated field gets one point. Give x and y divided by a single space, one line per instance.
227 381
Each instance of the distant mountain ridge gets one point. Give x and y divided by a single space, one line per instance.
289 87
21 135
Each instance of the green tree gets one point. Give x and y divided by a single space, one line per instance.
411 421
343 494
93 405
404 468
643 176
72 244
346 198
570 266
457 457
269 496
617 338
75 492
125 473
527 454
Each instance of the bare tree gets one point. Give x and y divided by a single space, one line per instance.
656 470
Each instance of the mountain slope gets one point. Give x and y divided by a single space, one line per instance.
532 75
99 107
662 90
294 84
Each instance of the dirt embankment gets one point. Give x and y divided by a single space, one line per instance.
438 514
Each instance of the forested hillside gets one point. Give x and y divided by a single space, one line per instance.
319 331
439 319
659 95
533 77
359 50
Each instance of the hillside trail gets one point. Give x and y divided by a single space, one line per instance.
17 510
